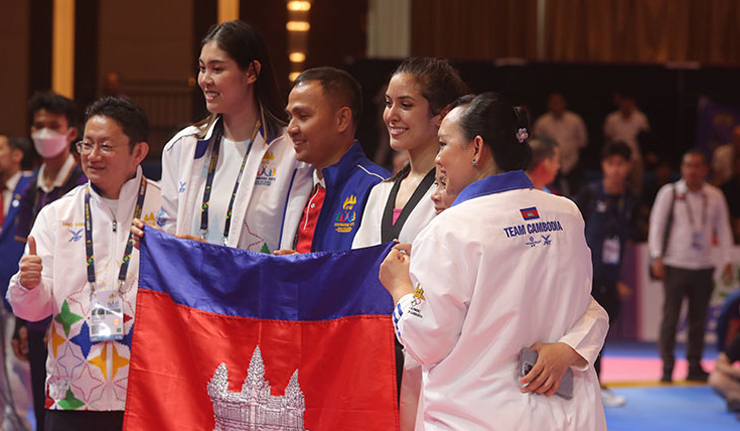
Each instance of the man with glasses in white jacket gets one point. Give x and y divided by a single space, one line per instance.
80 267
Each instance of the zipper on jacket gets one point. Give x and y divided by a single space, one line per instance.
115 253
113 216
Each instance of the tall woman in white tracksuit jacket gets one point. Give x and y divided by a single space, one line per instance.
227 179
506 267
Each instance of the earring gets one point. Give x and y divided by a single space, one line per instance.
475 165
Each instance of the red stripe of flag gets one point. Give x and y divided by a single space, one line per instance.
530 213
176 350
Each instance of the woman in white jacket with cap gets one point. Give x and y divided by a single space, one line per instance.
505 268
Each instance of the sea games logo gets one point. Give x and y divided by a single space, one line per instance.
344 221
267 171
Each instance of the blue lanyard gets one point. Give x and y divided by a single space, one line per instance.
90 258
217 135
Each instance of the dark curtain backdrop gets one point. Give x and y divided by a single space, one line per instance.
706 31
474 29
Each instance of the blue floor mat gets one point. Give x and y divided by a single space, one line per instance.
649 349
671 408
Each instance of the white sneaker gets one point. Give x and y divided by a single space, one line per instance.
610 399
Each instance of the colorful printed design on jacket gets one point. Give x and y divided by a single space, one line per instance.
85 375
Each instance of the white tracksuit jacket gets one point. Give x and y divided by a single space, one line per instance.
270 174
81 375
505 267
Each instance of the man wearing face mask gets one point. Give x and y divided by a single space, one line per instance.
53 129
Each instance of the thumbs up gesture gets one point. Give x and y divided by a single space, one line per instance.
31 266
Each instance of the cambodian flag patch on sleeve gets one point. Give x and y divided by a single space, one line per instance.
529 213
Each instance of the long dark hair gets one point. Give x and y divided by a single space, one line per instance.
244 44
503 128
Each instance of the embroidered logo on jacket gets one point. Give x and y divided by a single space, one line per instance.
418 294
532 242
76 235
161 217
267 172
416 302
150 219
344 221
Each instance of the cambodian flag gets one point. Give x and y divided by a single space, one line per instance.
530 213
231 339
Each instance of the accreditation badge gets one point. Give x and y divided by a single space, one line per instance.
697 241
610 252
106 316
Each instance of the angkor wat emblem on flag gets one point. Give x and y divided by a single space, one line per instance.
254 408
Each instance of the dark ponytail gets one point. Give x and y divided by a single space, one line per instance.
504 128
440 83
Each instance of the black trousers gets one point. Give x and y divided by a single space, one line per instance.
697 286
37 363
79 420
607 295
399 366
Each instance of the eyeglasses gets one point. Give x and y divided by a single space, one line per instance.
86 148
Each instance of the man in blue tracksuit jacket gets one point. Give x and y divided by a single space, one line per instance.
325 106
15 374
14 183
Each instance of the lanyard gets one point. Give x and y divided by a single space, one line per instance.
217 135
129 244
703 210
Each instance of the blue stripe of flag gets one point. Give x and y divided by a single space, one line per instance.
234 282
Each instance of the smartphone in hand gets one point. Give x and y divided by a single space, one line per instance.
527 359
